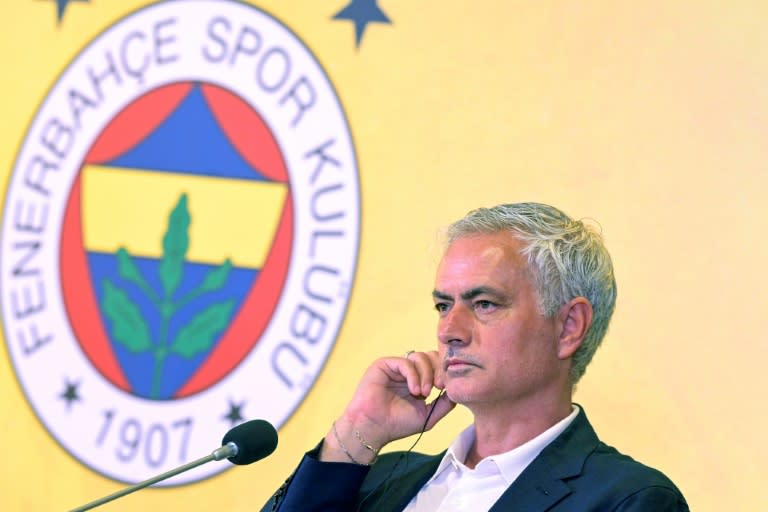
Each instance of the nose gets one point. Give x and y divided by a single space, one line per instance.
455 326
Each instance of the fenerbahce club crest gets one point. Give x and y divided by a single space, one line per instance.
179 237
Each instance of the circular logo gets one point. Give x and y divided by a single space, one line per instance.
179 237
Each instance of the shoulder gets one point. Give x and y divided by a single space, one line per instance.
627 483
609 461
599 477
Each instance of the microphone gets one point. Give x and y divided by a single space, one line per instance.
253 440
243 444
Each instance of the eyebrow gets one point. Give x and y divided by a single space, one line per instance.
469 294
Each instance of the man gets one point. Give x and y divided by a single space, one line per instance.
524 295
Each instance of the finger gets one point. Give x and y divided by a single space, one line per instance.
401 369
425 369
437 369
442 406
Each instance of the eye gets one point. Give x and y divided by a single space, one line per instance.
441 307
484 305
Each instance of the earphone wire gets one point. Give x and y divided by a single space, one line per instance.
403 456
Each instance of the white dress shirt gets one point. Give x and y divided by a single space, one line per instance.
456 488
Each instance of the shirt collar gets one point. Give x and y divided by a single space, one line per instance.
510 464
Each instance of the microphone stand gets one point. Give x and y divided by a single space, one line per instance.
228 450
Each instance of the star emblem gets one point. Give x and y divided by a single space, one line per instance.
362 12
235 414
70 394
61 6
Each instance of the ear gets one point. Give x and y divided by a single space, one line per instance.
574 319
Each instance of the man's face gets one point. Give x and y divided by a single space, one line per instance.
497 348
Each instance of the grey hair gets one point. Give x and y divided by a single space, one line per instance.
566 257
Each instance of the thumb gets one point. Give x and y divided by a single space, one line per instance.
441 406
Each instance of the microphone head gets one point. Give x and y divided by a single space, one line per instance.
255 440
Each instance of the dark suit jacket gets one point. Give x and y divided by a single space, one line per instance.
574 473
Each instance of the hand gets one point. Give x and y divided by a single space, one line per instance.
389 404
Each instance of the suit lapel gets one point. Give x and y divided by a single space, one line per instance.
395 493
540 486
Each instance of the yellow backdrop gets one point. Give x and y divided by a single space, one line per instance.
650 117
